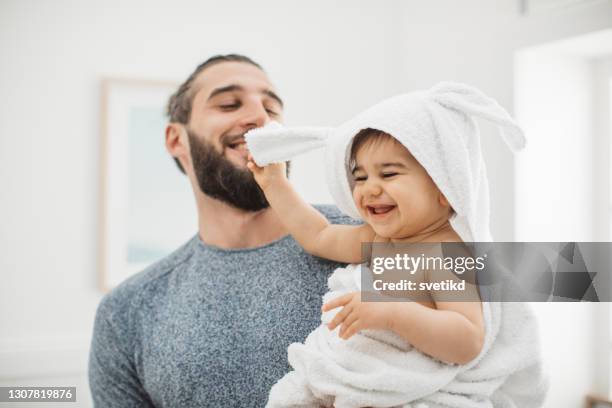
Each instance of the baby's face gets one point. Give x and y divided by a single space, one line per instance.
393 192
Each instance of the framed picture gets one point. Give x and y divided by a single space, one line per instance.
147 207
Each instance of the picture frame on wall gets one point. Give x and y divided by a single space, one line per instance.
147 208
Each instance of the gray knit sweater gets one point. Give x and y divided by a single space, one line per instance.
207 326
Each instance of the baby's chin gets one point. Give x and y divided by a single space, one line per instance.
393 234
385 232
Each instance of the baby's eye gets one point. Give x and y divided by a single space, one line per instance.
360 178
387 175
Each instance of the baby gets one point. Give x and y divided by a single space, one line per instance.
394 154
399 203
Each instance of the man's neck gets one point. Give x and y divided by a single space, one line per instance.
227 227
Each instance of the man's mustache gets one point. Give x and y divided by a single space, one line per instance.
229 140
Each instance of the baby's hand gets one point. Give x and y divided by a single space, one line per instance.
357 315
267 175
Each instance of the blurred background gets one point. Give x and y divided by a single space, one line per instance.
547 61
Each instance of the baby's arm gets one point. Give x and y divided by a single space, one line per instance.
310 228
452 332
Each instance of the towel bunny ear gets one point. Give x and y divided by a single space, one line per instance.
274 143
473 102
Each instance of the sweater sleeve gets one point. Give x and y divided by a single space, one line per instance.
113 379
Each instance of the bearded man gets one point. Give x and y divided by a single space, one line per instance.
209 325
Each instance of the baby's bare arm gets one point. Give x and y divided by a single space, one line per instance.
341 243
453 334
450 335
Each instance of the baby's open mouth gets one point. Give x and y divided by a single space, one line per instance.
380 209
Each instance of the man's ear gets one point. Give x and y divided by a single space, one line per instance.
177 143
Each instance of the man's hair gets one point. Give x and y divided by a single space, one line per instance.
179 104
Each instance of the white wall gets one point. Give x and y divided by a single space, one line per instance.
602 131
554 190
329 59
553 198
562 96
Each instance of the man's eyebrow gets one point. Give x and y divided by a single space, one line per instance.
234 87
273 96
223 89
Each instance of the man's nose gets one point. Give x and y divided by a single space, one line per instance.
255 116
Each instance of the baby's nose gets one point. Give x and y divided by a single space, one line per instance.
374 189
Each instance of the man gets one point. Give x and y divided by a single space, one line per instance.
209 325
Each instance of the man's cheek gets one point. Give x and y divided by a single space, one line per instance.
237 156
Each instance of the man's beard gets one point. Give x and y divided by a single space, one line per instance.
219 178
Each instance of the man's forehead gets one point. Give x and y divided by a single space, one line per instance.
245 75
